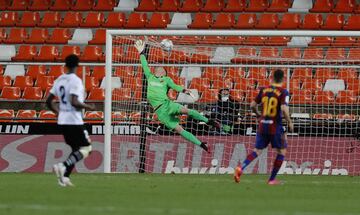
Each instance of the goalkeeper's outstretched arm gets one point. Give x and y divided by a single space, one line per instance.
143 50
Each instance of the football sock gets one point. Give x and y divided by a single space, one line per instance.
69 170
196 115
248 159
73 158
190 137
277 164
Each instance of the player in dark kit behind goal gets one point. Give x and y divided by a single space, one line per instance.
70 91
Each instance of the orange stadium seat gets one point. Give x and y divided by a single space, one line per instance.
213 6
71 19
38 36
148 5
354 54
241 84
68 50
235 6
235 72
301 97
290 21
344 6
133 84
257 5
312 21
35 71
25 53
60 36
6 115
3 34
23 81
92 54
50 19
47 116
83 5
93 19
119 116
322 6
255 40
169 5
267 21
4 4
121 94
212 39
99 37
135 116
261 83
19 5
80 70
201 84
346 97
277 41
191 6
335 54
347 74
12 93
98 72
26 116
333 22
32 93
312 84
313 53
257 73
302 73
115 20
295 84
9 19
346 117
136 20
158 20
17 35
222 83
321 41
29 19
172 94
246 21
224 21
40 5
63 5
291 53
344 41
269 52
5 81
90 83
279 6
104 5
97 94
94 116
172 72
324 97
244 53
138 95
56 70
250 95
353 23
209 96
213 73
324 73
323 116
237 95
45 82
118 54
47 53
201 20
353 85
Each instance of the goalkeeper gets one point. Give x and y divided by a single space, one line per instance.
166 110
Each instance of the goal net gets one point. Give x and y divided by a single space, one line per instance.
321 74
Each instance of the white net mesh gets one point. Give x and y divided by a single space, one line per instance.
322 81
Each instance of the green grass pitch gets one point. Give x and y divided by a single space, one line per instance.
138 194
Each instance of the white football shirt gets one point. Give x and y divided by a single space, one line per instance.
64 86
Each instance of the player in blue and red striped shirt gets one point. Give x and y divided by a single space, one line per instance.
274 104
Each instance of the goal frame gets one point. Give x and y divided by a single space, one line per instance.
124 32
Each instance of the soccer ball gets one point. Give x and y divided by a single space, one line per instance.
166 45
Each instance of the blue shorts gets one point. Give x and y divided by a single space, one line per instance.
278 141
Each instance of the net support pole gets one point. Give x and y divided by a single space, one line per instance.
107 106
143 134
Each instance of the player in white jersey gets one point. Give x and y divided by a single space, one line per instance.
70 91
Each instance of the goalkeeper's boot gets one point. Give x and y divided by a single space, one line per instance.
214 123
204 146
274 182
237 174
59 170
67 182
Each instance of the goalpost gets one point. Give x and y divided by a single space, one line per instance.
322 81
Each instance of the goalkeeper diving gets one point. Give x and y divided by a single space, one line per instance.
167 110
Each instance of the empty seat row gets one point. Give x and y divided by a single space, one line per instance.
57 5
273 21
340 6
51 53
92 19
324 97
214 5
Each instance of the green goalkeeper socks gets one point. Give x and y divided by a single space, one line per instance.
190 137
196 115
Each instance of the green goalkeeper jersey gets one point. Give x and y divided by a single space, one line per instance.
157 87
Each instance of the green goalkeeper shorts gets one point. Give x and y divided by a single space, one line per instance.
168 114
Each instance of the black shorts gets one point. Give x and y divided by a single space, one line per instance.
76 136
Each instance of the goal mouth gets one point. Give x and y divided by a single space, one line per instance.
321 77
